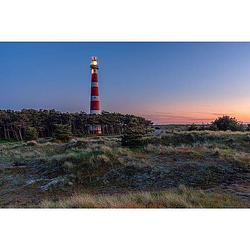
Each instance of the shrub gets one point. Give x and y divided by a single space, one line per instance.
62 132
132 140
31 134
32 143
226 123
133 135
192 127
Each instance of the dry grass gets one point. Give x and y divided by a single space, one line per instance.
20 152
179 198
195 152
237 140
195 159
159 149
198 151
230 155
84 162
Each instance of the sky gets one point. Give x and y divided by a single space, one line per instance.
168 83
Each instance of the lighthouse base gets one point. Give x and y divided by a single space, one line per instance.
95 129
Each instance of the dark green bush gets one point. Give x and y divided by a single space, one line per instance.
192 127
31 134
133 135
133 140
227 123
62 132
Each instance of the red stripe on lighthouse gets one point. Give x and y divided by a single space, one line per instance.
95 105
94 77
94 91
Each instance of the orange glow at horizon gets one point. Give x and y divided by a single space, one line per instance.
189 118
194 113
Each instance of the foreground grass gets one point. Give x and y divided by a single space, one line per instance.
201 160
180 198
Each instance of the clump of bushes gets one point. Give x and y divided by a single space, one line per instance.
223 123
193 127
62 132
31 134
227 123
133 135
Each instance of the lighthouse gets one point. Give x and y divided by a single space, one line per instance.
95 108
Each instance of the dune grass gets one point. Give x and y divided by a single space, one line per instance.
176 198
196 159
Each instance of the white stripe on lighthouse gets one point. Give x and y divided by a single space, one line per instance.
96 112
94 84
95 98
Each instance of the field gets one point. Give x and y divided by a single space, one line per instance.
177 169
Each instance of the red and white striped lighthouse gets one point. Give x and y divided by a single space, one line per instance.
95 107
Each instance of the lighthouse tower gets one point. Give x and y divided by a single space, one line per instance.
95 108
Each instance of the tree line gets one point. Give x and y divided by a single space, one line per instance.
28 123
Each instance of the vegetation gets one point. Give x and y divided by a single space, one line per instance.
222 123
193 127
227 123
31 134
63 132
180 169
29 123
238 140
46 153
133 134
180 198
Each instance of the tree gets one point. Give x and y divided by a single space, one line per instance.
62 132
226 123
31 134
248 127
15 125
133 134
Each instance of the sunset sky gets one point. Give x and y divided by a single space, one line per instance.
165 82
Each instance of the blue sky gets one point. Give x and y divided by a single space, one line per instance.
165 82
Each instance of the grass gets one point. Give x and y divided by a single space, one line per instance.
236 140
198 159
181 198
240 158
22 153
198 151
5 141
